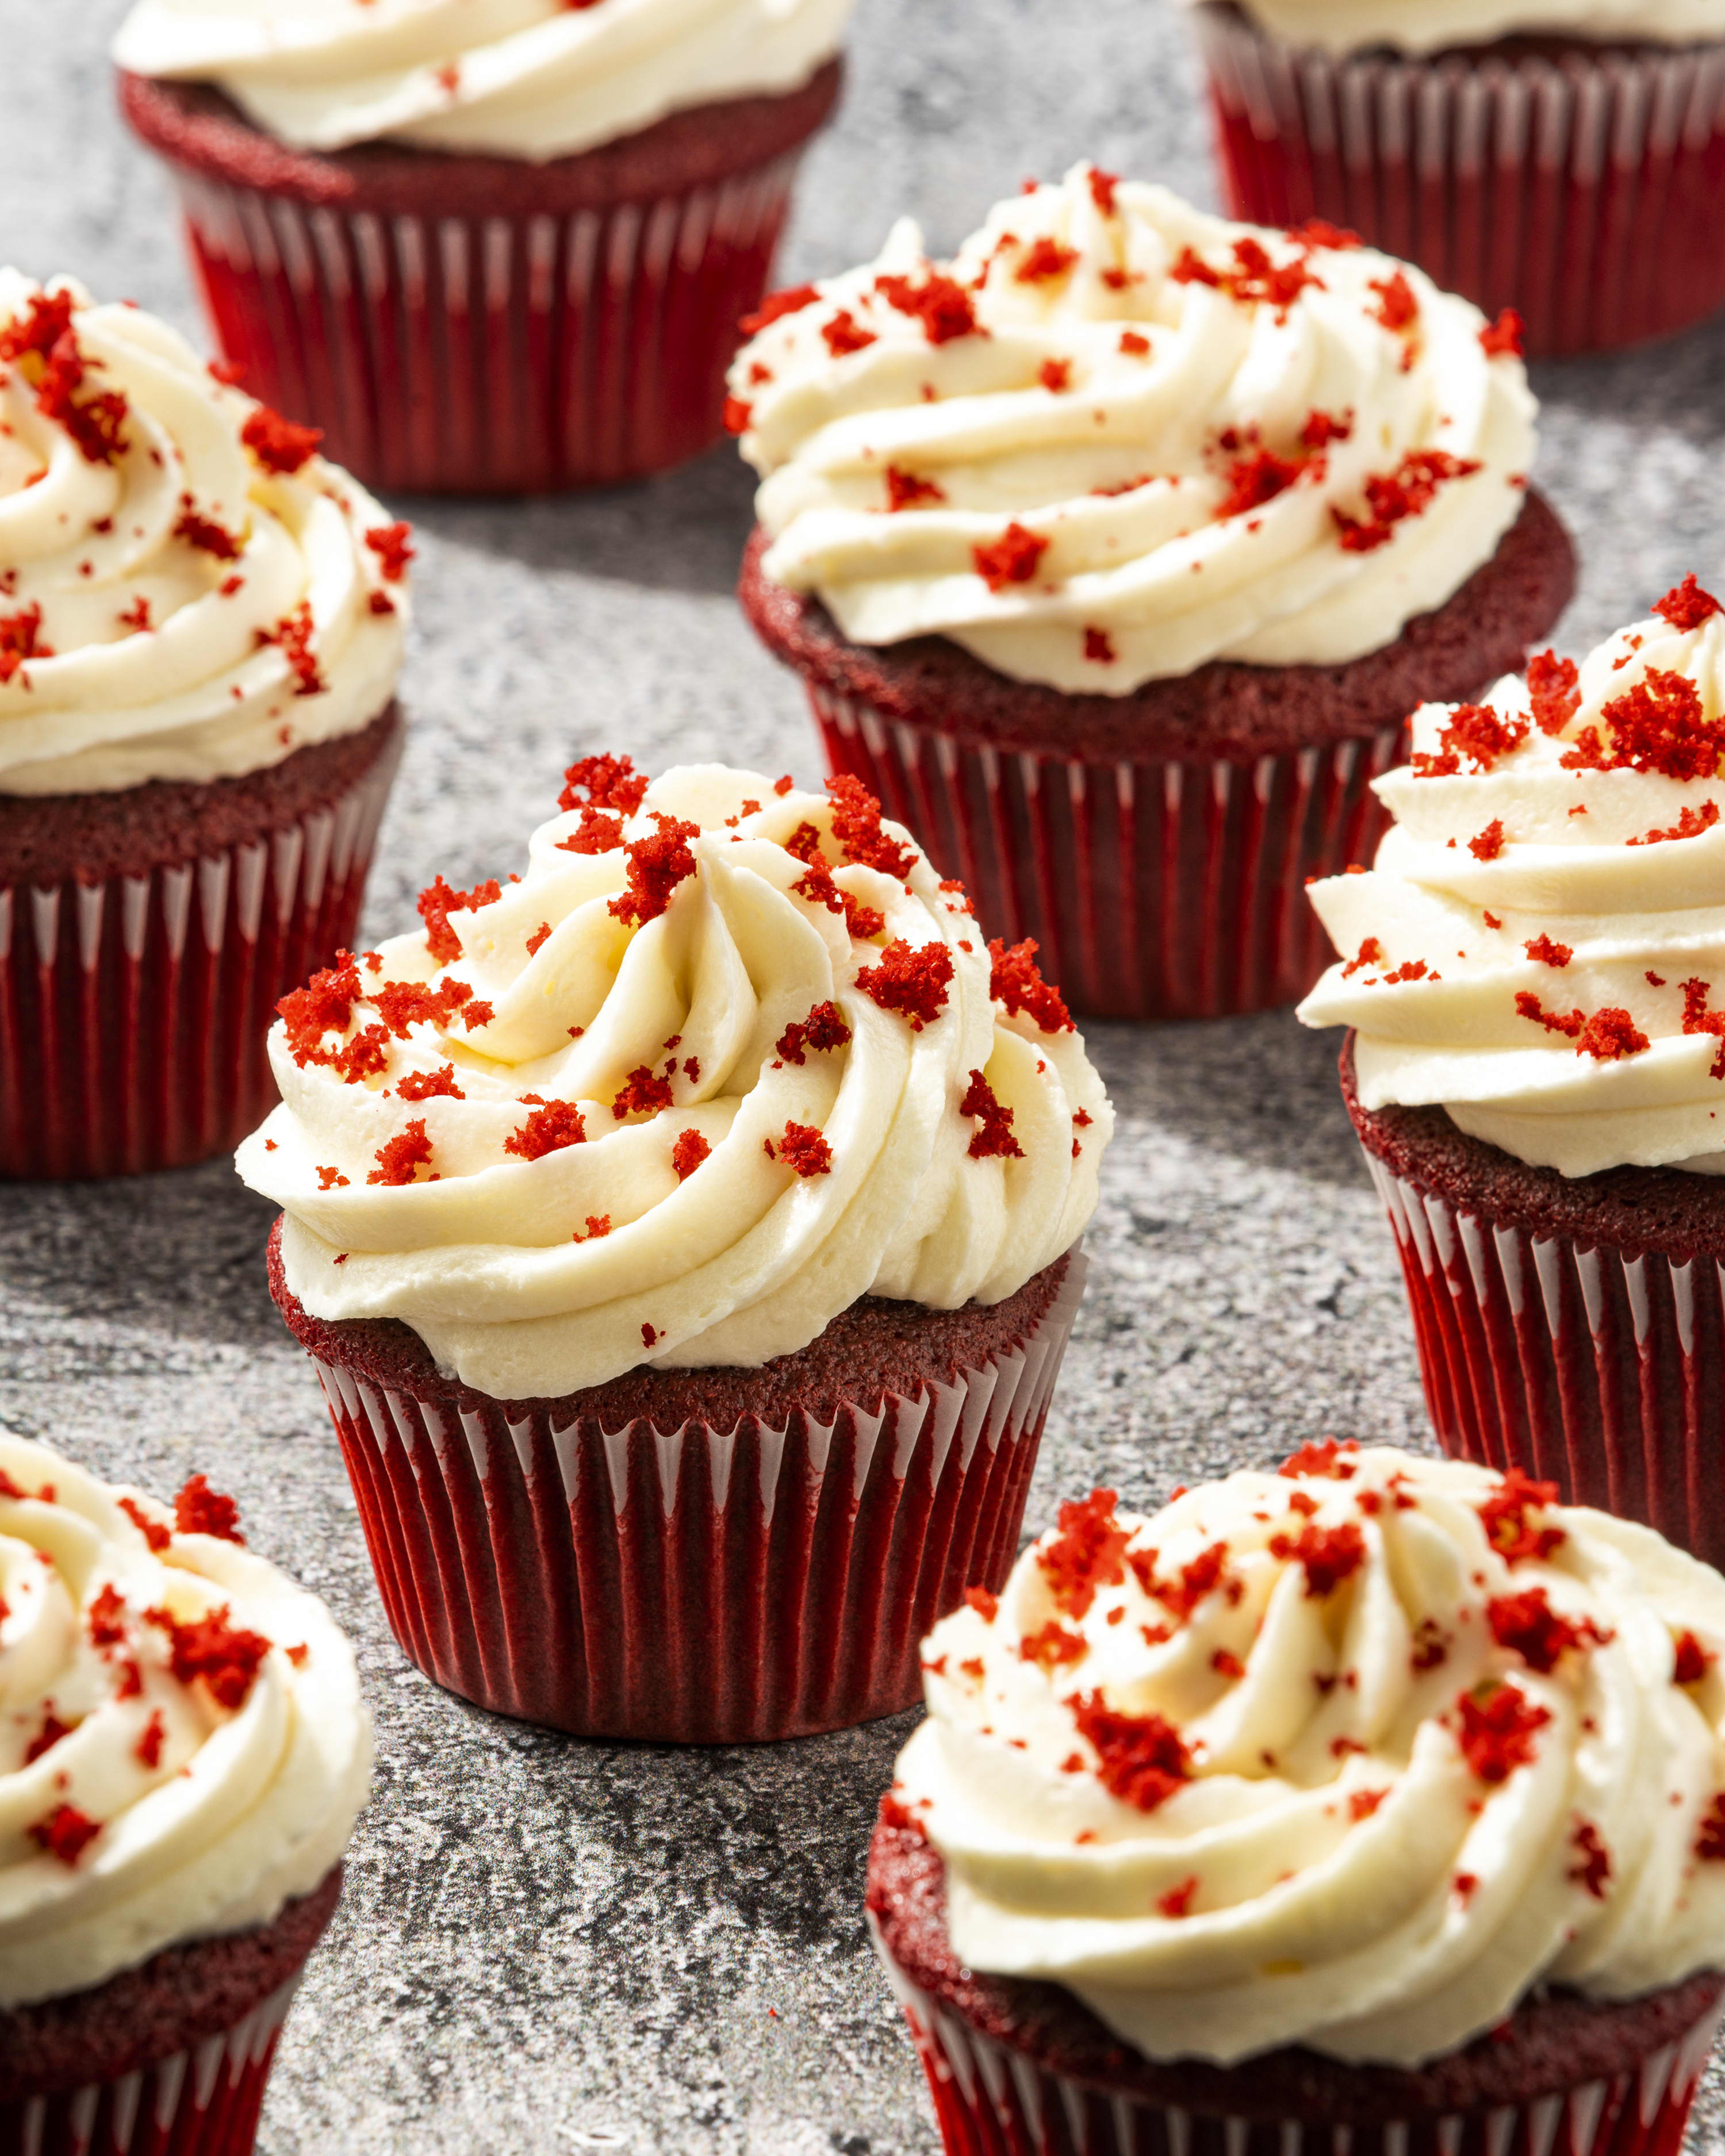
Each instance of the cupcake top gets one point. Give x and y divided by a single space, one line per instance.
533 79
1115 438
728 1057
183 1744
1409 26
1353 1756
187 591
1537 945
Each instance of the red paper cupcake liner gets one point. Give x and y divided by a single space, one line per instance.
993 2100
699 1585
490 354
205 2101
1601 1373
133 1012
1584 189
1155 890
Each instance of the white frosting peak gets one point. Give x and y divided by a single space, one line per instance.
1115 438
1353 1756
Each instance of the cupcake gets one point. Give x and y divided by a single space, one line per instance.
493 249
1374 1803
1565 158
1534 1068
1115 553
184 1751
201 627
685 1237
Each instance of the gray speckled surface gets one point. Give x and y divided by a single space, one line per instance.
551 1946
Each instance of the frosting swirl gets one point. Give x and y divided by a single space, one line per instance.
532 79
187 590
728 1057
1345 26
1353 1756
1537 945
183 1744
1115 438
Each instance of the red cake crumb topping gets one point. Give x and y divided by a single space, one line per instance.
1546 953
1528 1006
598 832
802 1148
1690 1660
1362 1803
656 866
1475 731
642 1093
985 1603
912 982
1015 983
1134 345
204 533
1328 1556
1056 375
148 1751
1052 1646
1690 825
1208 1573
225 1656
50 1733
687 1154
1255 479
1710 1841
856 826
605 782
19 635
907 490
823 1030
292 635
1397 309
1045 258
738 415
1177 1902
1088 1552
44 337
995 1140
430 1085
1592 1868
1010 559
1369 953
1528 1626
65 1833
542 934
436 904
1498 1725
1141 1759
154 1533
1317 232
940 304
1658 725
1506 1516
1227 1665
331 1178
1487 844
1392 497
277 444
390 543
1553 693
1328 1456
198 1509
1502 338
1254 278
137 616
777 306
598 1224
38 331
1688 606
1431 1646
1609 1036
104 1618
1101 188
845 334
400 1159
403 1004
1099 646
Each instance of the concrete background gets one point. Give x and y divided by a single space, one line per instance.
551 1945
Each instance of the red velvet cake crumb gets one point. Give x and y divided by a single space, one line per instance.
1141 1759
1087 1552
198 1509
1497 1732
912 982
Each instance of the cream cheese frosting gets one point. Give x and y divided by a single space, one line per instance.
729 1057
532 79
1427 26
1537 945
187 591
183 1744
1354 1756
1115 438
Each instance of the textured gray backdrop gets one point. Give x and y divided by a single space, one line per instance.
548 1946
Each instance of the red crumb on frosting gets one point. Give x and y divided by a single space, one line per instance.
1698 1019
1397 308
1254 278
1362 1803
292 636
801 1147
552 1126
1690 825
1506 1516
598 832
44 333
403 1004
1609 1036
1099 646
430 1085
1227 1665
644 1092
277 444
985 1603
940 304
738 415
1087 1552
148 1751
845 334
198 1509
154 1533
1659 724
400 1159
1527 1626
225 1656
1177 1902
907 490
1052 1646
1328 1555
1369 953
1528 1006
649 1336
1710 1841
1134 344
1475 731
107 1627
1548 952
1328 1456
1017 987
777 306
1487 844
1010 559
1141 1758
65 1833
1690 1660
603 782
995 1140
1592 1868
1393 497
1101 188
204 533
1553 696
1687 606
19 639
911 981
1317 232
438 902
50 1733
1503 338
687 1154
1255 479
1056 375
856 827
822 1030
542 934
1498 1730
1208 1573
392 545
1043 259
656 866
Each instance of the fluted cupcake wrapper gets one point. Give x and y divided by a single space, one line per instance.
1584 191
1597 1371
700 1585
134 1011
992 2100
1155 889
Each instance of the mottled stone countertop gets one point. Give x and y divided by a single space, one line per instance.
551 1946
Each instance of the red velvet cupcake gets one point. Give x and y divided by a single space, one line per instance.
1562 157
485 253
183 1782
1118 631
1535 1076
685 1238
200 629
1324 1807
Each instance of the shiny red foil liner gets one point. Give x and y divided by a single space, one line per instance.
134 1011
1583 185
697 1585
992 2100
1155 889
1601 1371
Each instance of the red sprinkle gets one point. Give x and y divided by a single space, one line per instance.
912 982
1143 1759
403 1004
107 1626
1397 308
1206 1574
995 1140
1710 1841
198 1509
738 415
1690 1660
1099 646
1362 1803
1177 1902
1010 559
985 1603
399 1159
905 490
1056 375
19 635
1134 345
856 826
277 444
1101 188
1547 952
50 1733
293 635
1255 278
1609 1036
1690 825
644 1092
1088 1552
